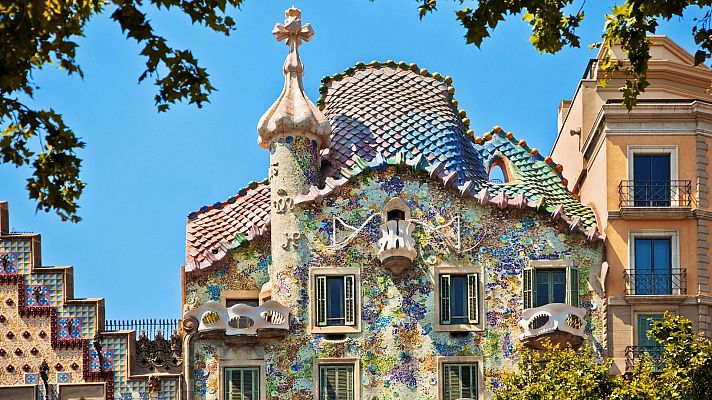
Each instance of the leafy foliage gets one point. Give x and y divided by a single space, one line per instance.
627 24
37 33
578 375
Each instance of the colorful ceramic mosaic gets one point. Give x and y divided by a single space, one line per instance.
398 345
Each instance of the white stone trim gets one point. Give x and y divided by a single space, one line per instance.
316 378
324 271
672 150
242 363
463 270
461 360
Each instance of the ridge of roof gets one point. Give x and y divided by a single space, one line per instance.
218 205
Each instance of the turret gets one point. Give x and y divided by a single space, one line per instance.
294 131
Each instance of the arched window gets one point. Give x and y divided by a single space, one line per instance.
497 171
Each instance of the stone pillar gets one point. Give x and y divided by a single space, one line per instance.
294 130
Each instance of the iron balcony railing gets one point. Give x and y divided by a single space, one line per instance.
656 283
655 193
150 326
634 354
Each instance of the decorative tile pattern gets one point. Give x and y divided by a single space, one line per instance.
37 295
21 249
85 314
64 377
8 263
32 379
69 328
54 281
95 363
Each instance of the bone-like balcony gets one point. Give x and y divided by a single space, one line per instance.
560 324
396 248
271 319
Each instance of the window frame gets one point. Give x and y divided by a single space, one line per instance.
243 363
333 272
671 150
674 236
572 274
319 362
459 271
445 360
226 295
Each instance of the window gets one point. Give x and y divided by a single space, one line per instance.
459 299
651 177
249 302
653 265
550 281
335 303
646 345
335 300
336 382
460 381
242 383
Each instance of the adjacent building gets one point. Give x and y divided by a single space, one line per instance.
645 173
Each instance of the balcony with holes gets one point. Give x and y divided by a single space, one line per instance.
636 354
240 324
558 324
396 247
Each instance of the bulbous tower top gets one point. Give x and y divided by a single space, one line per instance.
293 113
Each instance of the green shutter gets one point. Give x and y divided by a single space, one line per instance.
460 381
572 286
349 300
529 288
444 299
336 382
242 384
473 302
321 301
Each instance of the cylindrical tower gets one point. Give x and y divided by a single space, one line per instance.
293 130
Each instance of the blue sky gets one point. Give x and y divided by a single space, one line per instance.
146 171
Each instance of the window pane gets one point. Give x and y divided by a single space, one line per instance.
645 322
662 267
335 300
542 288
558 281
458 300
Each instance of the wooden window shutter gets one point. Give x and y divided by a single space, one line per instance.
572 286
321 301
529 288
473 301
445 299
349 300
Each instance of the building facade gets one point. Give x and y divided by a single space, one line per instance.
645 174
378 260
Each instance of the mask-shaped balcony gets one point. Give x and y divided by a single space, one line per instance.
396 247
240 322
560 324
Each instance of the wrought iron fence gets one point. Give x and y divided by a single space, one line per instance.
656 283
150 326
676 193
634 354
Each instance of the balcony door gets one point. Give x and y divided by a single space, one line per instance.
651 180
653 266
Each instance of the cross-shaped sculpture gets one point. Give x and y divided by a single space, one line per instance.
292 30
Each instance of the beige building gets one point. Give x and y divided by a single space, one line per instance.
645 174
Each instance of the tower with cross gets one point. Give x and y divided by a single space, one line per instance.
294 131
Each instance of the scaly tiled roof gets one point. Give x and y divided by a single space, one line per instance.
213 230
385 109
398 114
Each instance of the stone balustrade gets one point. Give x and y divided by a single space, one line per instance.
396 247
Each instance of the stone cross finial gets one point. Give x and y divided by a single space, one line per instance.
293 113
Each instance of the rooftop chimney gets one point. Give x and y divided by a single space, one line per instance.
4 218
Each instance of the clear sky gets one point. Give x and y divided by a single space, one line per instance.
146 171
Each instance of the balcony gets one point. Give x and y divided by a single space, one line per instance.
396 247
634 354
656 283
244 323
556 323
655 199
